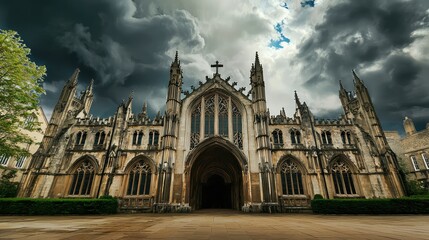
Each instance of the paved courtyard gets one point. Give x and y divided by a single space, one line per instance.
211 224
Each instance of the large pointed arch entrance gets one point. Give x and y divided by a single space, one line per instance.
216 175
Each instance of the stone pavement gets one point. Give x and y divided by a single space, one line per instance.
215 224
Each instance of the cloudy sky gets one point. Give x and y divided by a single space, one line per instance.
308 46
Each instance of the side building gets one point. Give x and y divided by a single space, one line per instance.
21 163
213 147
412 151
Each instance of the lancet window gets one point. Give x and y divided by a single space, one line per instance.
216 115
153 137
99 138
82 179
291 177
326 137
139 179
277 138
346 137
295 136
343 178
80 138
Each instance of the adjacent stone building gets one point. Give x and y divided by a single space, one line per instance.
21 163
412 151
214 147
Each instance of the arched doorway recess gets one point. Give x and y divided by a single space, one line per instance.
216 178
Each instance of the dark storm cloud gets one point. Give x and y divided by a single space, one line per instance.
372 37
123 49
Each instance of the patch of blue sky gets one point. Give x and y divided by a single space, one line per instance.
309 3
276 43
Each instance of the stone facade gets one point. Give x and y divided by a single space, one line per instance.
21 163
412 151
214 147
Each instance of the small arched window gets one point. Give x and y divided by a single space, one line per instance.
139 179
326 137
82 179
137 137
277 138
99 138
295 136
425 157
81 138
346 137
342 178
153 137
291 177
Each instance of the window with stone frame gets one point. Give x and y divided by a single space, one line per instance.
295 136
425 157
236 127
81 138
277 138
139 179
83 177
209 116
153 138
4 159
137 137
415 163
99 138
326 138
220 116
342 178
20 161
346 137
195 126
291 178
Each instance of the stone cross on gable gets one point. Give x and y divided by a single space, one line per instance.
217 66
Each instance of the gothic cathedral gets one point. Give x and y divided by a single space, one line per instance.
214 147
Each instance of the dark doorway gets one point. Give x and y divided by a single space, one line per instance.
216 193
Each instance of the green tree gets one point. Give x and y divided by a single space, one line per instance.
20 89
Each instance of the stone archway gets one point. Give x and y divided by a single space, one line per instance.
216 179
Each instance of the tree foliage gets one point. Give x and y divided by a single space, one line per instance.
20 88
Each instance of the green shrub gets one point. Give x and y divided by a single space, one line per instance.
30 206
8 189
371 206
318 196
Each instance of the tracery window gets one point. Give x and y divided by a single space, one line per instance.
236 127
99 138
291 177
139 179
195 126
346 137
80 138
342 177
137 137
82 179
295 136
216 115
209 116
277 138
223 116
153 137
326 137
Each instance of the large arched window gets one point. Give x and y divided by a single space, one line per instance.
83 177
342 178
139 179
291 177
216 115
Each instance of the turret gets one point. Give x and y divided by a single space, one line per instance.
409 127
258 86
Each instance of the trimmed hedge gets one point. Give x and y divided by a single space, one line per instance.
39 206
371 206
